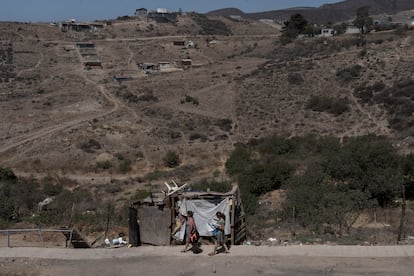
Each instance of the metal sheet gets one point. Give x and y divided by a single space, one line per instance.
154 225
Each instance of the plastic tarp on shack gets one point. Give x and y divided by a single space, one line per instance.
204 213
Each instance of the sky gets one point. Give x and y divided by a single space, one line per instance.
89 10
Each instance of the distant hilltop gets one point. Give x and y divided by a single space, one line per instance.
341 11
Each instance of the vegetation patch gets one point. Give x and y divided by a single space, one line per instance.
210 26
295 79
397 100
90 146
349 73
206 184
328 104
189 99
327 184
136 98
171 159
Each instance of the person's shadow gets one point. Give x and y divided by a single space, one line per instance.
221 249
196 248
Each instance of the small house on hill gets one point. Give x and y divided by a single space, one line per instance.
327 32
85 45
93 64
164 65
186 62
163 16
141 13
179 43
157 214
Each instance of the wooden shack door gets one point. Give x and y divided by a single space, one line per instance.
154 225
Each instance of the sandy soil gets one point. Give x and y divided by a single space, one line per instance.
243 260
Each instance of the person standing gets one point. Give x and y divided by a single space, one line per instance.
220 237
190 227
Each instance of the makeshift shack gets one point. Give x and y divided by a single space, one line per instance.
157 214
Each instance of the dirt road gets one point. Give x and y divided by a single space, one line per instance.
242 260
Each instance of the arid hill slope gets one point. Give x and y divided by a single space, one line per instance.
60 117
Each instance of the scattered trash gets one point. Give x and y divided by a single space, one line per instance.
107 242
119 241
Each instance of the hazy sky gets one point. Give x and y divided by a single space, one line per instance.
88 10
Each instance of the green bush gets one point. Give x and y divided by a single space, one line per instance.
327 104
238 160
104 165
125 165
250 202
212 185
189 99
7 174
51 189
369 164
66 205
196 136
318 204
171 159
210 26
340 28
328 184
155 175
7 208
225 124
288 36
295 79
259 179
349 73
140 194
275 145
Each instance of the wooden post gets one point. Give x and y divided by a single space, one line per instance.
8 239
70 236
376 228
402 219
173 215
232 220
41 237
133 227
107 220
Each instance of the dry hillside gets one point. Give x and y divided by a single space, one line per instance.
63 119
60 117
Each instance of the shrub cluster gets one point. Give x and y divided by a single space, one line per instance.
295 79
328 184
366 93
349 73
206 184
210 26
327 104
398 101
171 159
19 200
189 99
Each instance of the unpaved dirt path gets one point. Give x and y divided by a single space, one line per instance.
35 135
32 136
242 260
